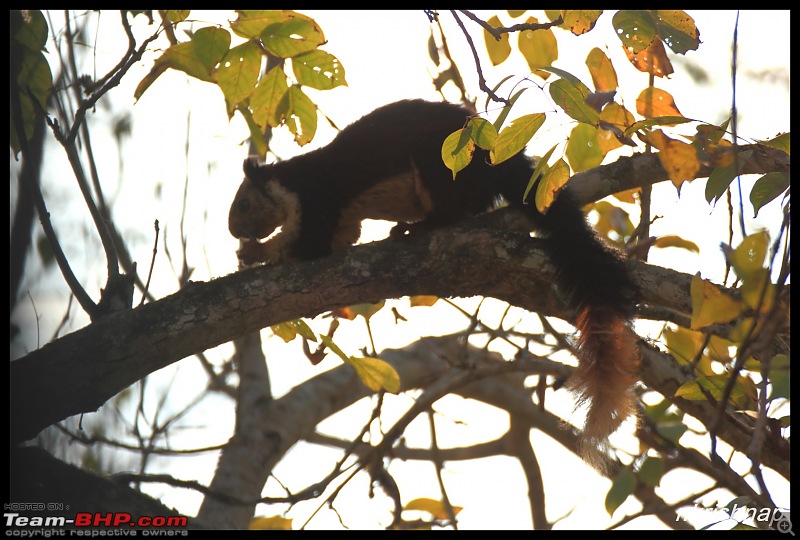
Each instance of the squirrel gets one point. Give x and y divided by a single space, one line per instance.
388 165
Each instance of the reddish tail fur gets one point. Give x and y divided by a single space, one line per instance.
604 378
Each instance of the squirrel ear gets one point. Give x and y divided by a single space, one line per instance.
251 165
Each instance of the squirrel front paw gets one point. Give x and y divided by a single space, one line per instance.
253 252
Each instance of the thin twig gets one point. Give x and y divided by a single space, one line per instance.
152 263
481 80
498 31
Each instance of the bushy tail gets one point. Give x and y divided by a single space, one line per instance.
598 286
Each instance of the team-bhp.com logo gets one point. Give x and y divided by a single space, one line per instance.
93 524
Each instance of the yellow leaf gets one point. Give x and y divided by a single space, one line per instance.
614 120
457 150
276 523
540 48
678 158
743 393
683 344
653 59
672 240
604 77
498 49
422 300
376 374
719 349
748 258
710 305
654 102
367 310
436 508
288 330
753 292
612 218
580 21
744 327
552 181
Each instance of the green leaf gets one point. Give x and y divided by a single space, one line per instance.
512 139
238 73
583 148
32 29
677 29
177 15
457 150
779 377
210 45
196 58
719 180
636 29
781 142
334 348
35 76
251 23
257 136
623 486
296 35
482 132
651 471
498 49
571 97
318 69
501 118
45 251
267 97
658 411
300 114
767 188
671 430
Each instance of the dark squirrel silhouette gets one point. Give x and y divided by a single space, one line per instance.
388 165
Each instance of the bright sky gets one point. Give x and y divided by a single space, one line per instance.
385 57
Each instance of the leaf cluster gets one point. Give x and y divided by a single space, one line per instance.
263 77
